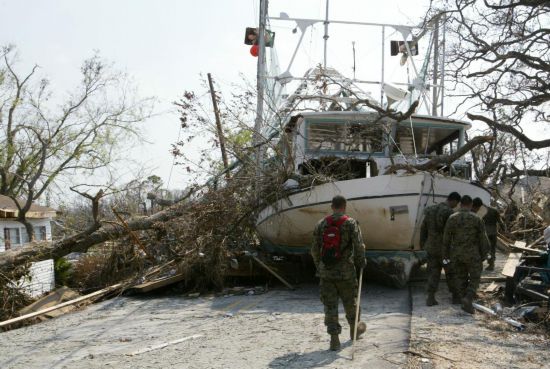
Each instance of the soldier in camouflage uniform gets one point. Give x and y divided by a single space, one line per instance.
431 240
492 220
339 280
466 245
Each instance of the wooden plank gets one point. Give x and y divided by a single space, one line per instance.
54 298
535 242
510 267
520 245
492 279
273 272
44 311
491 288
163 345
158 283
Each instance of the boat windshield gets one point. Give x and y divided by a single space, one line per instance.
426 140
342 136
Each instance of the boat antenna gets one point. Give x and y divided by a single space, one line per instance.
442 74
353 47
435 89
325 37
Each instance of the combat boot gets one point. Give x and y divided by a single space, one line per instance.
334 342
467 303
456 299
431 301
491 266
361 328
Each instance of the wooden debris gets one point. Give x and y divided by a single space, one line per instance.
503 243
492 279
491 288
163 345
93 295
272 272
510 267
54 298
535 242
520 245
156 284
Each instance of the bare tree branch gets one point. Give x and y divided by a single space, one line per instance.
440 160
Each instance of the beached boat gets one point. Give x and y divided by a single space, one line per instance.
331 127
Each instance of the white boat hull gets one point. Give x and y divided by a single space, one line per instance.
388 209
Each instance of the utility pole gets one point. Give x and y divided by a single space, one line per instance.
260 87
221 138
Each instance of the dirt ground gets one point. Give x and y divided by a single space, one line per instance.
444 336
278 329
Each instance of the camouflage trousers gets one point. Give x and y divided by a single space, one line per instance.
493 244
333 290
467 275
435 265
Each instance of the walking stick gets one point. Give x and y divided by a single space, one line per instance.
357 306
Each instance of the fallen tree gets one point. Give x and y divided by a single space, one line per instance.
81 242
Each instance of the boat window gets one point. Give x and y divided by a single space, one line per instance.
427 141
344 136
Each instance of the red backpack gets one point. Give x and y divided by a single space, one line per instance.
330 252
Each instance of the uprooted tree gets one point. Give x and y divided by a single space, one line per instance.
45 138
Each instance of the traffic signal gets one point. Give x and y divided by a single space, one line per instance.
251 37
397 47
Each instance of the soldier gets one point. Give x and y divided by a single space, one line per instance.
431 240
338 253
465 245
491 220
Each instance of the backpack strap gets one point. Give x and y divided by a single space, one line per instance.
329 220
341 220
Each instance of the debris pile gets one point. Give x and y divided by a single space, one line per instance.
524 300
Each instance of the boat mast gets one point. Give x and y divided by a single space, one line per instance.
325 37
382 72
442 74
260 84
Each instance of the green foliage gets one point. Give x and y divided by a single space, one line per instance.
62 270
240 139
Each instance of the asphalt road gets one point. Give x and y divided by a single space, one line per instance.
278 329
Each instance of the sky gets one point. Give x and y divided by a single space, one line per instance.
166 45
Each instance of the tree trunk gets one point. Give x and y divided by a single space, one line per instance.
81 242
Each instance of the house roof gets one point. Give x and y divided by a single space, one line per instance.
8 209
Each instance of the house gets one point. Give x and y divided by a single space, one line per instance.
13 235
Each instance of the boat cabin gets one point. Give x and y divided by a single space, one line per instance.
350 145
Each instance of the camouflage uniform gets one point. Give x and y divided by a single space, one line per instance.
491 219
339 280
465 242
431 240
